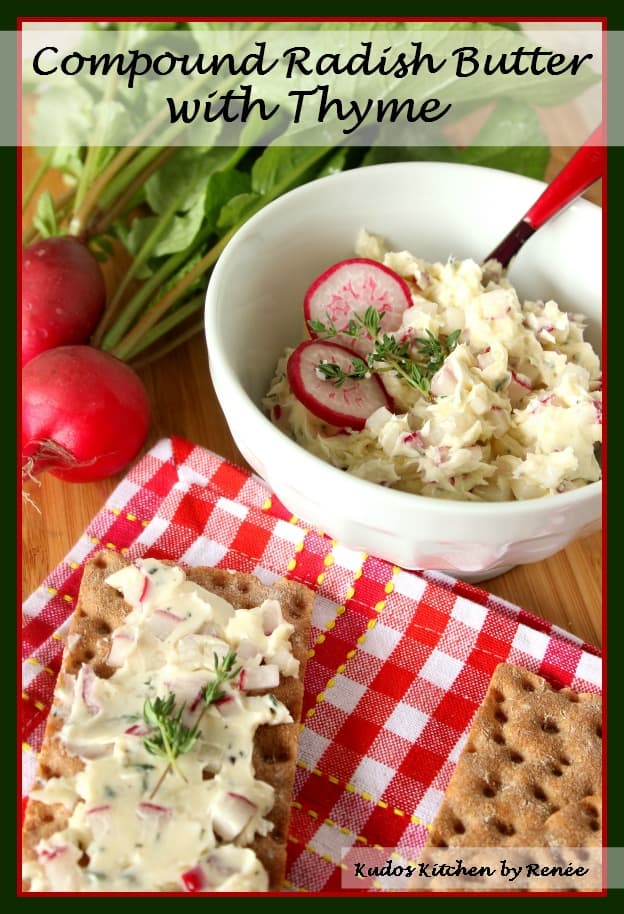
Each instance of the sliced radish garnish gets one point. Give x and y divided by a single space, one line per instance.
348 405
349 288
232 815
259 677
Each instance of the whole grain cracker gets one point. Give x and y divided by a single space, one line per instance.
530 772
99 610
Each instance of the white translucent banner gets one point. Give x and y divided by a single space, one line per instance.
387 84
475 869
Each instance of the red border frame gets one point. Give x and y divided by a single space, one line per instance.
594 19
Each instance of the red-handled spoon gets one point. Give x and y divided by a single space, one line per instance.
585 167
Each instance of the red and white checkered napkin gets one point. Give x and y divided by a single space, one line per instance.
399 661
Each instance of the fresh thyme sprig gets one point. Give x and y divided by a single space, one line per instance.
169 737
224 672
388 354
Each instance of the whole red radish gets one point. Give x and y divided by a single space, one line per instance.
63 294
85 414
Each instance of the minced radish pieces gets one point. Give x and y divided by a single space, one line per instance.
135 585
226 706
271 616
88 681
194 880
99 819
162 622
122 643
444 382
60 866
519 387
346 405
187 691
138 730
350 287
259 677
232 815
88 750
247 649
154 810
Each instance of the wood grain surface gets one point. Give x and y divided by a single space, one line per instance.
565 589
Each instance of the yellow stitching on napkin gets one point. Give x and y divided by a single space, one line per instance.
350 788
35 662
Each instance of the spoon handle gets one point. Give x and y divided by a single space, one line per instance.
585 167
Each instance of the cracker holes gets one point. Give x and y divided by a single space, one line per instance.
489 790
298 607
504 828
516 757
591 811
458 827
102 627
498 696
498 738
438 842
527 686
564 760
277 757
539 793
100 561
470 747
599 731
500 716
549 726
555 770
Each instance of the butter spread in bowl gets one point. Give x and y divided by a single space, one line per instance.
492 398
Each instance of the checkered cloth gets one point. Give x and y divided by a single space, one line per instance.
399 661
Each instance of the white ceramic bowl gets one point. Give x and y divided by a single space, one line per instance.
254 310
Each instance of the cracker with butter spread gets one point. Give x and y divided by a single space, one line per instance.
89 795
